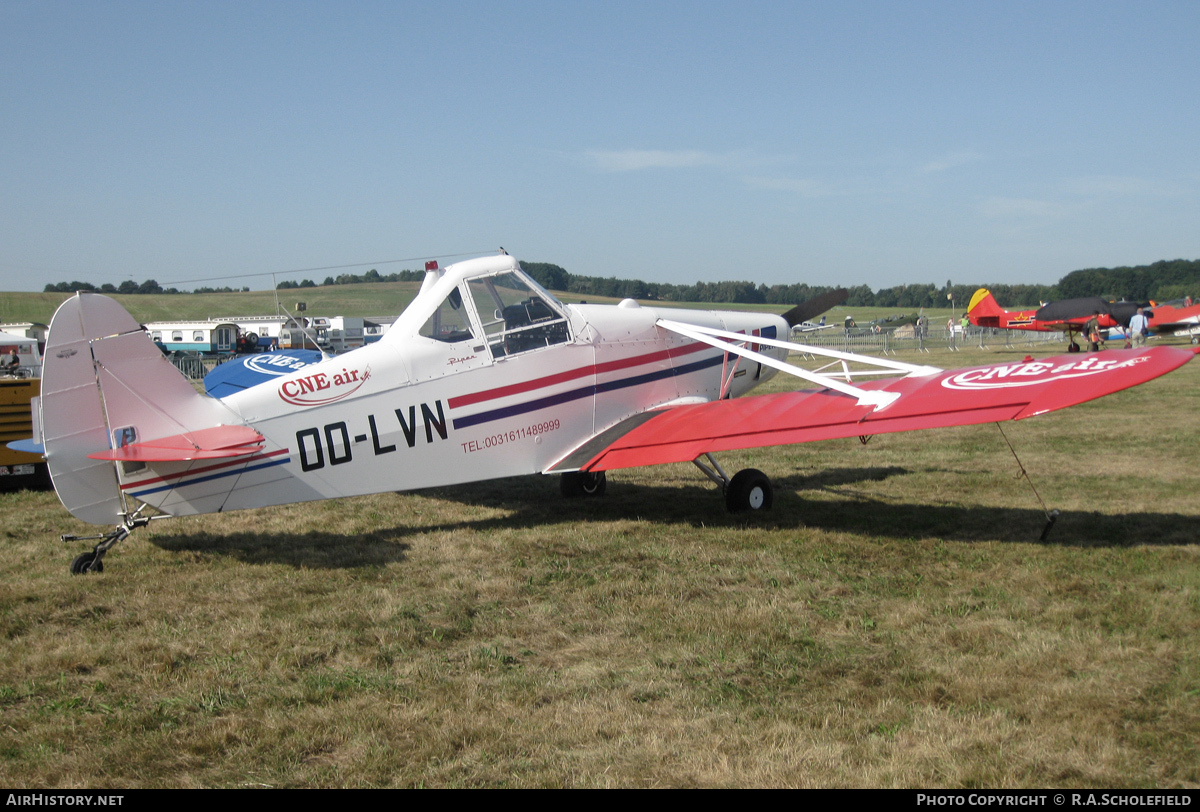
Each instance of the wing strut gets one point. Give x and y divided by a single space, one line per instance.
721 339
1051 515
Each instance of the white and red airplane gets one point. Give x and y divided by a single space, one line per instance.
487 375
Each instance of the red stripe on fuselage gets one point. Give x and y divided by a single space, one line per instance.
572 374
141 483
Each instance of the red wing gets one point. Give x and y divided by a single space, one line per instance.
961 397
219 442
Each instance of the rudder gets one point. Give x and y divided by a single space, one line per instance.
984 310
105 383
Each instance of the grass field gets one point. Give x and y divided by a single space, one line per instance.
894 621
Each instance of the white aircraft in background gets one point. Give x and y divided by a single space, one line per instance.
487 375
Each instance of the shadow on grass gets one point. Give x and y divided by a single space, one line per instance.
827 510
803 502
313 550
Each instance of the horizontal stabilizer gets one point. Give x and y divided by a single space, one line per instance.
219 442
27 446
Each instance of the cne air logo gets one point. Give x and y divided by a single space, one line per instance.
267 363
321 388
1034 373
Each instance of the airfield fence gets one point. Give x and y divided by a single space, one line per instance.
194 367
865 340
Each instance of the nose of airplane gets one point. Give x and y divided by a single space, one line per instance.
765 325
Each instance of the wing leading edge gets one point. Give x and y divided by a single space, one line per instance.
987 394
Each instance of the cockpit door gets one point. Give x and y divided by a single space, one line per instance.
454 341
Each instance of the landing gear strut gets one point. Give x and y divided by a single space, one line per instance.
94 561
748 491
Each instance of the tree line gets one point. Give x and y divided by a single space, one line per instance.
1159 281
129 286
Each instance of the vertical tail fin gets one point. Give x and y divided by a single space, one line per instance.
105 384
984 311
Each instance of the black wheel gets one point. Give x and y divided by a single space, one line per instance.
583 483
748 491
85 563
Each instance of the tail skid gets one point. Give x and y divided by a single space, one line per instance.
105 386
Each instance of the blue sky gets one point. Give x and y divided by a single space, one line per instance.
872 143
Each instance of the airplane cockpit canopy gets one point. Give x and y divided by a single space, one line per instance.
450 322
521 317
507 311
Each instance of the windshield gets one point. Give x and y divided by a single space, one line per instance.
515 316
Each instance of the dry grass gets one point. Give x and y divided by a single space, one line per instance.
893 622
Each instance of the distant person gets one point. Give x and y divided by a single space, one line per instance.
1139 328
14 362
1092 330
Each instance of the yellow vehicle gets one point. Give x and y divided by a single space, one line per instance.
17 468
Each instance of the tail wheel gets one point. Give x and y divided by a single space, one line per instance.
749 492
85 563
583 483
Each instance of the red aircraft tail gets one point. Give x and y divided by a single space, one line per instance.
984 311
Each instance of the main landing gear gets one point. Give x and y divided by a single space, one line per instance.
748 491
576 484
94 561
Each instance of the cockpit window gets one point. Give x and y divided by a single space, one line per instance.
449 322
515 316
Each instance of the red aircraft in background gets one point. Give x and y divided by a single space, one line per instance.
1180 317
1068 316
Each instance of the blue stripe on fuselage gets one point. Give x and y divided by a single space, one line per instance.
211 477
583 392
